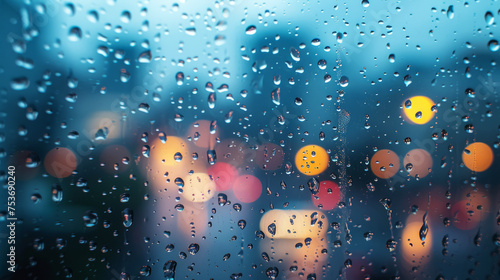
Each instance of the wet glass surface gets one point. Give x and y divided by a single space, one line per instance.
249 140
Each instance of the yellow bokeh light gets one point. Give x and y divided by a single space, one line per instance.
385 164
198 187
415 251
311 160
418 109
477 156
162 165
294 224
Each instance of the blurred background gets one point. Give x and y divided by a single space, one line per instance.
251 140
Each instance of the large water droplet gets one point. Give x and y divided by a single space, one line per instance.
493 45
75 34
251 30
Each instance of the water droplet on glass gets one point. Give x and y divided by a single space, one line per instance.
424 229
294 53
450 12
169 270
128 217
407 80
75 34
90 219
344 81
489 18
32 160
145 270
469 128
251 30
222 199
242 224
272 273
272 229
193 248
145 57
191 31
493 45
20 83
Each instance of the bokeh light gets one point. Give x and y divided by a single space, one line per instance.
223 174
269 156
477 156
327 196
418 109
415 251
60 162
311 160
198 187
418 162
385 164
247 188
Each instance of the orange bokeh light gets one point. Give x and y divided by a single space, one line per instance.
311 160
385 164
477 156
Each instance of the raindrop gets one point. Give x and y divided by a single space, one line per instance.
75 34
169 270
193 248
294 53
179 78
242 224
251 30
392 58
191 31
489 18
90 219
178 157
407 80
322 64
424 229
211 157
128 216
145 57
145 271
20 83
469 128
222 199
272 273
493 45
272 229
145 151
32 160
275 96
408 104
57 193
211 100
344 81
163 137
450 12
391 245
